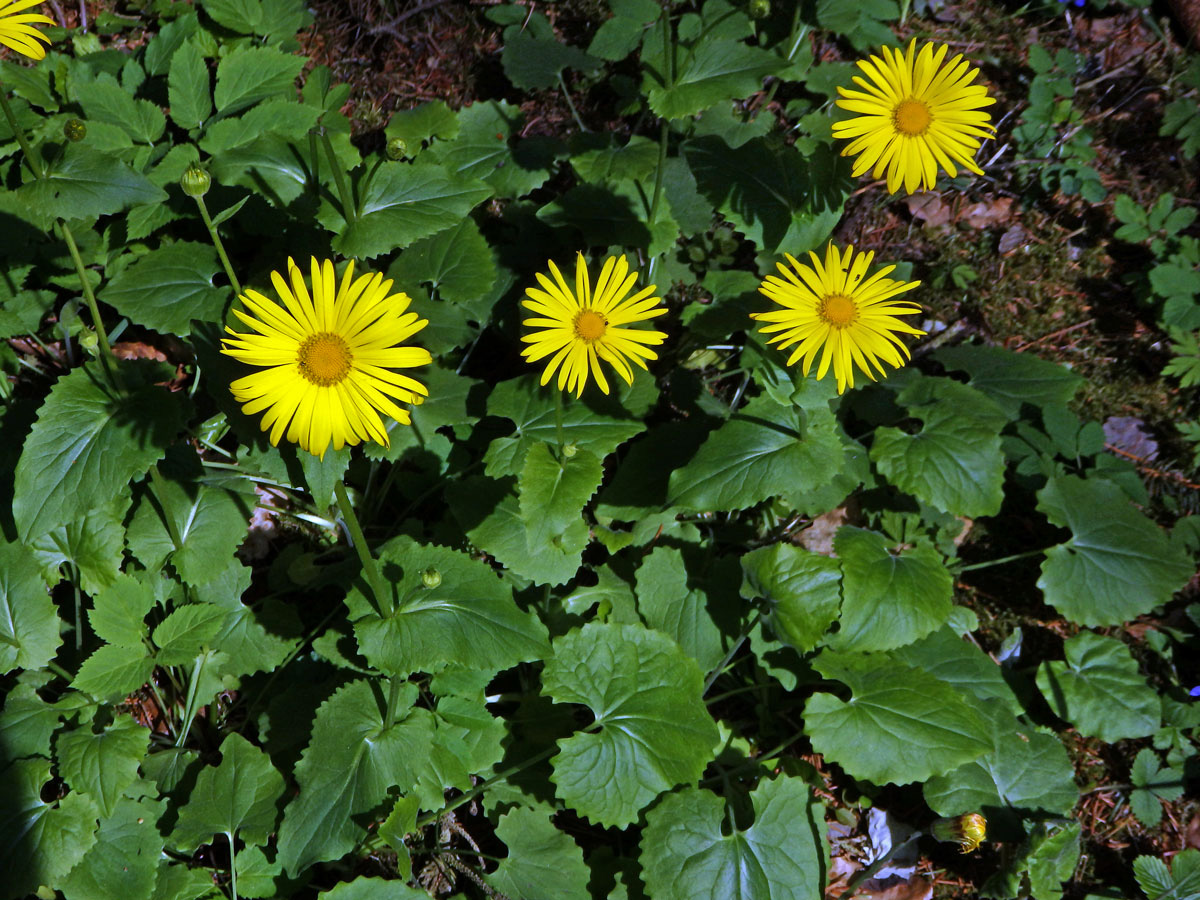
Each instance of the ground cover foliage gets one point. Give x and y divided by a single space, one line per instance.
704 636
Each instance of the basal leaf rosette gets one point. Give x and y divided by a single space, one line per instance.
651 730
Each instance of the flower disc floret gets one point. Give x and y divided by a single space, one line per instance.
578 328
834 309
17 31
914 114
327 357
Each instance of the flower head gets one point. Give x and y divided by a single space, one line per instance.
915 114
833 308
967 831
327 358
17 31
577 329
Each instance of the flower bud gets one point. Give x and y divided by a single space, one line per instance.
431 577
569 450
397 148
759 9
74 130
967 831
88 340
195 181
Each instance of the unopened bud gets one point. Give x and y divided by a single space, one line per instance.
195 181
74 130
88 341
968 831
431 577
569 450
759 9
397 148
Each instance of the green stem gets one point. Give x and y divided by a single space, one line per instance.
567 96
189 708
106 353
668 48
474 792
664 131
383 600
57 669
232 866
349 210
35 164
558 426
1001 561
716 672
216 239
78 607
389 718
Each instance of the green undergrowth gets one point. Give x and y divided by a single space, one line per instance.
685 639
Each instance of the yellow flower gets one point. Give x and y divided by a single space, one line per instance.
328 358
18 32
967 831
916 115
579 328
835 307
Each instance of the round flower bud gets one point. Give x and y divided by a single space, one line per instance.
397 148
759 9
74 130
195 181
88 341
569 450
431 577
967 831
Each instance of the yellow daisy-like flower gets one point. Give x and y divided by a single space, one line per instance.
579 328
18 32
834 307
915 115
327 358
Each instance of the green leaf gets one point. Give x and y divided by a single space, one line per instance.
489 513
1117 565
373 889
654 731
779 198
188 89
456 262
242 16
764 450
119 611
1099 689
1181 882
954 463
1150 785
251 74
123 862
237 798
469 618
167 288
186 632
62 831
1011 379
802 590
901 724
1052 859
714 70
102 765
425 121
352 761
553 494
26 723
888 600
84 184
243 634
620 35
210 522
94 545
106 101
28 621
959 661
670 604
256 876
535 63
401 204
531 409
687 851
88 443
1027 770
113 672
542 861
284 118
488 147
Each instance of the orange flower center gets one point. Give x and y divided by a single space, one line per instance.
590 325
324 358
838 310
912 117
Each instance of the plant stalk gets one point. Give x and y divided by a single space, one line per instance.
216 239
383 600
1001 561
349 210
